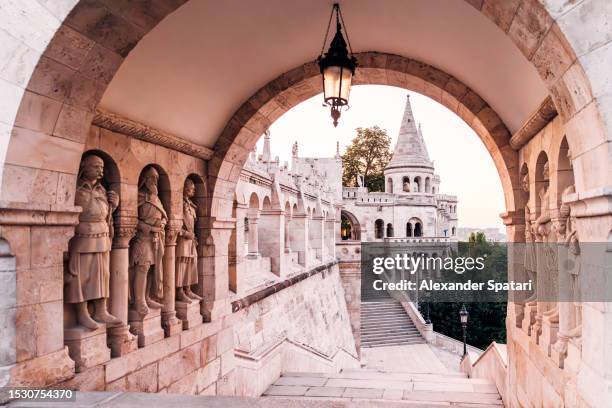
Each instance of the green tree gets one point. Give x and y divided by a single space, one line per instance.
367 155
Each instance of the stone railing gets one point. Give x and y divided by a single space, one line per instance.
492 364
453 345
422 240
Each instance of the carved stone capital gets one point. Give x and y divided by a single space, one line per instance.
172 230
125 229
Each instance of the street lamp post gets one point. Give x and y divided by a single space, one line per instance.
463 317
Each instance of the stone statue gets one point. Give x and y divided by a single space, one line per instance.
406 186
186 249
89 250
573 269
147 248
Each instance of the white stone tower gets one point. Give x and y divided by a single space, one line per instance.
410 169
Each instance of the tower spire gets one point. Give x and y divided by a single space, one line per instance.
410 149
266 148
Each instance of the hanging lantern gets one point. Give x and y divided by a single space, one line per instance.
337 67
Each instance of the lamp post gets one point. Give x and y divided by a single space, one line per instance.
337 67
463 316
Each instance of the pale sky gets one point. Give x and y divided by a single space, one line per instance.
460 158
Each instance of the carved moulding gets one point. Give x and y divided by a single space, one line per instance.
117 123
536 122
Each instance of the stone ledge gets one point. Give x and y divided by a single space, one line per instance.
277 287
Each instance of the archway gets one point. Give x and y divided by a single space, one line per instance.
350 228
44 146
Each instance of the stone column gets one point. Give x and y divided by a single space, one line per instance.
237 250
515 231
213 271
317 240
120 340
171 324
272 242
299 236
253 237
330 237
287 235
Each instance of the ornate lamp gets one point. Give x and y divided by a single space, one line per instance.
337 67
463 317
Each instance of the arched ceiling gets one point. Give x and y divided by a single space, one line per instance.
194 70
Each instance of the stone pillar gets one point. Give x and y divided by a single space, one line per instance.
272 240
237 251
317 240
330 237
515 231
253 237
171 324
287 235
213 271
120 340
298 236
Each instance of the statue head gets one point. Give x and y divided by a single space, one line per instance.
525 183
546 172
92 168
189 188
149 180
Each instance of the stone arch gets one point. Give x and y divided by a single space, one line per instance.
418 184
267 204
350 227
390 230
379 229
406 184
417 226
86 72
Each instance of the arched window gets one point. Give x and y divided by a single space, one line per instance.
417 184
406 184
379 227
389 185
418 230
389 230
454 231
427 185
409 229
433 190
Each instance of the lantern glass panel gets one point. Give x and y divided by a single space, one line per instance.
334 87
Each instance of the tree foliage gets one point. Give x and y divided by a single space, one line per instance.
367 155
487 321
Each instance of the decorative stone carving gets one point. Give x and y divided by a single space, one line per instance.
147 249
120 124
186 249
88 273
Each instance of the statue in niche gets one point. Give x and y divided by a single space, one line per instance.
573 268
147 248
547 259
88 276
186 249
530 262
406 186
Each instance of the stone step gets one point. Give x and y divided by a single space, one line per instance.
391 342
378 386
371 334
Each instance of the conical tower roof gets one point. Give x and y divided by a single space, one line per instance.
410 149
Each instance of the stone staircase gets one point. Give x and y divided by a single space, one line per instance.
384 322
412 389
